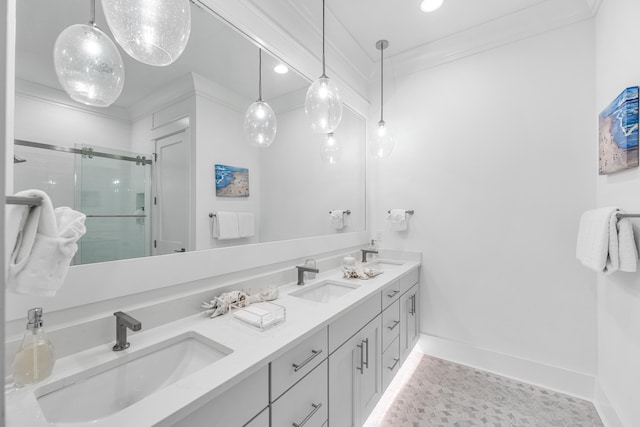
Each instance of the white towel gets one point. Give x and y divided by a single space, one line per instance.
628 252
45 246
397 219
246 224
604 243
336 218
225 226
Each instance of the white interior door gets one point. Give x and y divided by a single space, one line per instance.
171 199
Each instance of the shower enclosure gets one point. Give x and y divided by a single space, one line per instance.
111 187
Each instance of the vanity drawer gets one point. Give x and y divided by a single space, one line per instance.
289 368
390 362
390 324
355 319
305 403
409 279
390 293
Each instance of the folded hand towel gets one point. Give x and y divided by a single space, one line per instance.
225 226
397 219
336 218
246 224
604 243
628 252
45 247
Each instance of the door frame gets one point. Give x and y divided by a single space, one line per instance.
174 128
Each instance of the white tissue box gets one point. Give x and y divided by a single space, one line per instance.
261 315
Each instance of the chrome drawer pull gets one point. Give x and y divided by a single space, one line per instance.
395 362
393 294
314 353
316 407
366 364
395 323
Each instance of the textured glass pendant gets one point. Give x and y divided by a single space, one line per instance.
88 65
154 32
322 104
260 125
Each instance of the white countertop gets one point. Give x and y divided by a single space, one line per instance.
252 350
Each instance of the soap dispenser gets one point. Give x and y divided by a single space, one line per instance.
35 359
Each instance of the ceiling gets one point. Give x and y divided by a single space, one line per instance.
406 26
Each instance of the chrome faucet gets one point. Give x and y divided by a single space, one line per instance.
124 321
301 270
367 251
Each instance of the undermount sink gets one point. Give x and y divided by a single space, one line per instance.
324 291
107 389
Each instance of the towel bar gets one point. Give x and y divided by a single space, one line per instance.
29 201
345 212
626 215
408 212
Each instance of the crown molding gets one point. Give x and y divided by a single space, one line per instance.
538 19
59 98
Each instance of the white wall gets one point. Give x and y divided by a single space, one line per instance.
495 154
299 188
618 66
220 137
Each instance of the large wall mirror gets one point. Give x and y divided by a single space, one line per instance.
143 169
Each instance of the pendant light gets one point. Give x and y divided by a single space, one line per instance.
322 103
381 142
88 64
154 32
330 151
260 123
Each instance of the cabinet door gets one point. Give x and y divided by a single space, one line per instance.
355 377
261 420
409 321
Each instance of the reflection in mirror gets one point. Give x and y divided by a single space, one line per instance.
143 169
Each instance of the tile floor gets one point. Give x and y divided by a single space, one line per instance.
436 392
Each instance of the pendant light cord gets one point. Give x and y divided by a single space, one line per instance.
382 85
260 75
324 72
92 21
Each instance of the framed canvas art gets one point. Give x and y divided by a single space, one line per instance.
618 133
232 181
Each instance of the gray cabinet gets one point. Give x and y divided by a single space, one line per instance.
409 321
355 383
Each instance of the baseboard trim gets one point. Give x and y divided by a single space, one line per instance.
562 380
606 411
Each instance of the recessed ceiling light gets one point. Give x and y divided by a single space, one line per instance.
281 69
431 5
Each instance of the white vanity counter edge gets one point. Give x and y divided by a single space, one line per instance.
252 349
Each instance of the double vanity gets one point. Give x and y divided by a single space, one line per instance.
328 363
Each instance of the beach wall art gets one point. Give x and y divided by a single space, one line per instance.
232 181
618 133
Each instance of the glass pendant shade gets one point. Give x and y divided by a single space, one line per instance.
381 143
331 152
88 65
323 106
154 32
260 124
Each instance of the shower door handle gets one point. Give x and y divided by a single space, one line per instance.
181 250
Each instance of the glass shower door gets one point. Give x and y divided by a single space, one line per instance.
115 196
